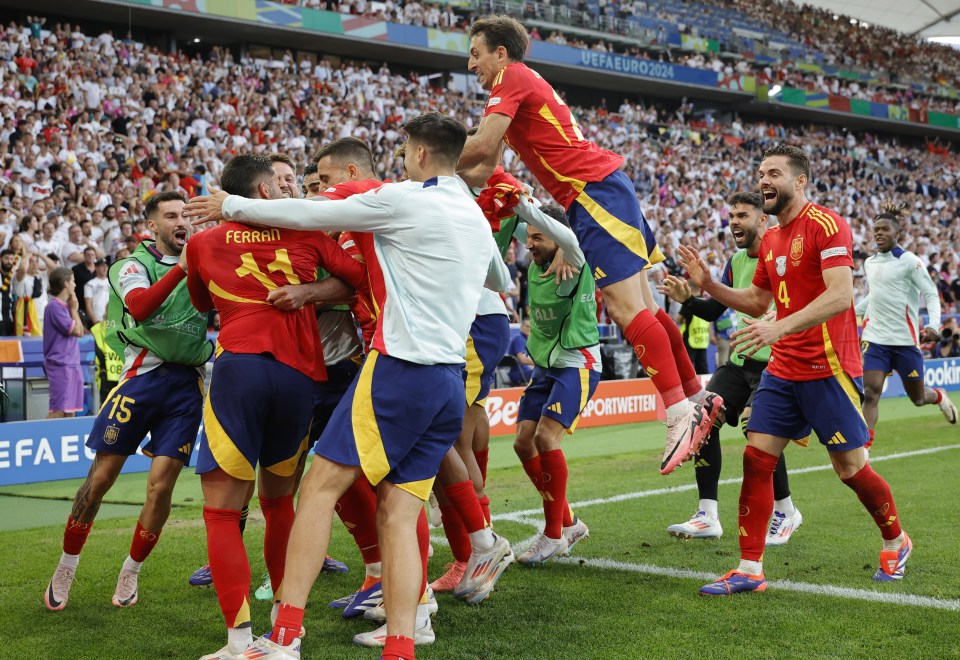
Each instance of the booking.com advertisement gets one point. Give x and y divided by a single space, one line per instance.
47 450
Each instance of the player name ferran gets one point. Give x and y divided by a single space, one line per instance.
253 236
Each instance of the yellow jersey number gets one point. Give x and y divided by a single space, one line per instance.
281 264
120 410
782 295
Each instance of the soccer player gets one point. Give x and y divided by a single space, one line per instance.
461 494
736 381
404 411
342 168
565 346
260 402
151 322
813 379
890 312
311 181
289 297
525 112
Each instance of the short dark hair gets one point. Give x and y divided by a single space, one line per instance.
5 251
58 280
242 174
347 150
796 157
557 213
754 199
443 136
311 168
283 158
153 204
499 30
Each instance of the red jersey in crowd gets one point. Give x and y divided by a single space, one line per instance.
233 267
792 260
545 134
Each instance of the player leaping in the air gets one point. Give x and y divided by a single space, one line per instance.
525 112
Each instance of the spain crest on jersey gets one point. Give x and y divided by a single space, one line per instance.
111 434
781 266
796 250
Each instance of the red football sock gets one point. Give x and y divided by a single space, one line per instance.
397 648
875 495
228 564
278 515
485 506
554 491
75 535
756 502
937 402
456 533
483 457
143 542
464 499
652 345
423 541
533 470
288 624
357 509
870 441
567 514
688 374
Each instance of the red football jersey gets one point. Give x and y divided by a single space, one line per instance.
793 258
233 267
545 134
366 310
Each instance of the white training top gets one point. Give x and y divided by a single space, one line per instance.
891 310
435 249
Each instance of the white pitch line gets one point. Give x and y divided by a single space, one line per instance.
786 585
522 516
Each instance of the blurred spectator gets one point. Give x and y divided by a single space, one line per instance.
96 293
61 348
949 345
83 273
8 260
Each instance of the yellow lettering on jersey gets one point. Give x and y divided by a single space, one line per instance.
248 266
282 265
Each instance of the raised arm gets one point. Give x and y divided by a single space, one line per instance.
752 301
481 153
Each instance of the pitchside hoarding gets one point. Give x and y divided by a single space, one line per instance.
51 449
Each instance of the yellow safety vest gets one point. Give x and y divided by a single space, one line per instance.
699 335
112 364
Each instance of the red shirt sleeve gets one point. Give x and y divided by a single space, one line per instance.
760 277
143 302
337 262
835 247
199 295
507 94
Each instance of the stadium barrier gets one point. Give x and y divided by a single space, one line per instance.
52 449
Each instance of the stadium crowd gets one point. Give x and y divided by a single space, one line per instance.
94 125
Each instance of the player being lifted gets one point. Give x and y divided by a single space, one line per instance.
525 112
813 379
151 322
891 317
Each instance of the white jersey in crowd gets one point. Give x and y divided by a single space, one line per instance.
564 237
434 247
891 310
